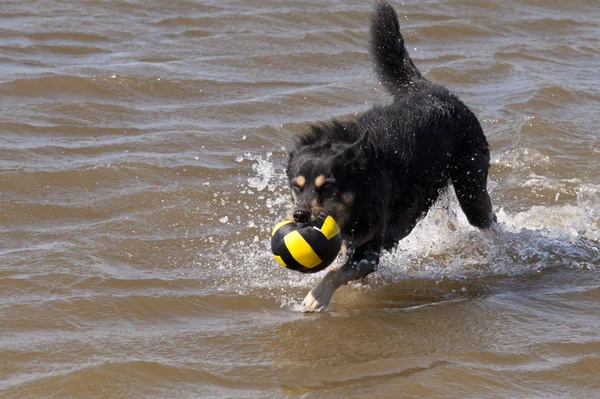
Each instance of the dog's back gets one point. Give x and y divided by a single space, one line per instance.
427 136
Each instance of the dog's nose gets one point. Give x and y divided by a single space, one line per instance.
301 216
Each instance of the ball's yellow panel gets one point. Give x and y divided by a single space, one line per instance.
278 225
278 259
301 250
330 228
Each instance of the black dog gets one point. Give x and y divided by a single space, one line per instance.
378 175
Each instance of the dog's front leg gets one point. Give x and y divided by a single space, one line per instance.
360 262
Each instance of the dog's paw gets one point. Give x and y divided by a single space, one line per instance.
318 298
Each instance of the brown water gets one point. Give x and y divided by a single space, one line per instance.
141 151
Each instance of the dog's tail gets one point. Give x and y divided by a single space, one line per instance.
392 63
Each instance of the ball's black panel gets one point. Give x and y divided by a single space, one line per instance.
279 249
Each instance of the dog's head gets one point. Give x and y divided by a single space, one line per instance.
325 178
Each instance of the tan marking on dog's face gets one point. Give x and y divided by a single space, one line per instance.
300 181
314 203
319 181
348 198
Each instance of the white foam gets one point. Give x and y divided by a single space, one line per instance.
520 158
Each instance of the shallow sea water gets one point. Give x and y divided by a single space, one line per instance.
141 169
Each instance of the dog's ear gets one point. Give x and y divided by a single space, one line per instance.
289 160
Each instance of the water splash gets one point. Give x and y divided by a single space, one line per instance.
443 246
265 172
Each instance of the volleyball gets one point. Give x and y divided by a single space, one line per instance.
307 249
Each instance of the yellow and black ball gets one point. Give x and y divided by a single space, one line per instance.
307 249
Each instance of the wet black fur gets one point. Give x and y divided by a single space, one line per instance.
396 158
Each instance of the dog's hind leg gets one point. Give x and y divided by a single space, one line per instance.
359 263
470 185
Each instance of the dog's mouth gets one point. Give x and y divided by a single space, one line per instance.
314 212
316 216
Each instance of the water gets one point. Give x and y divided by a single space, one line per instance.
141 159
